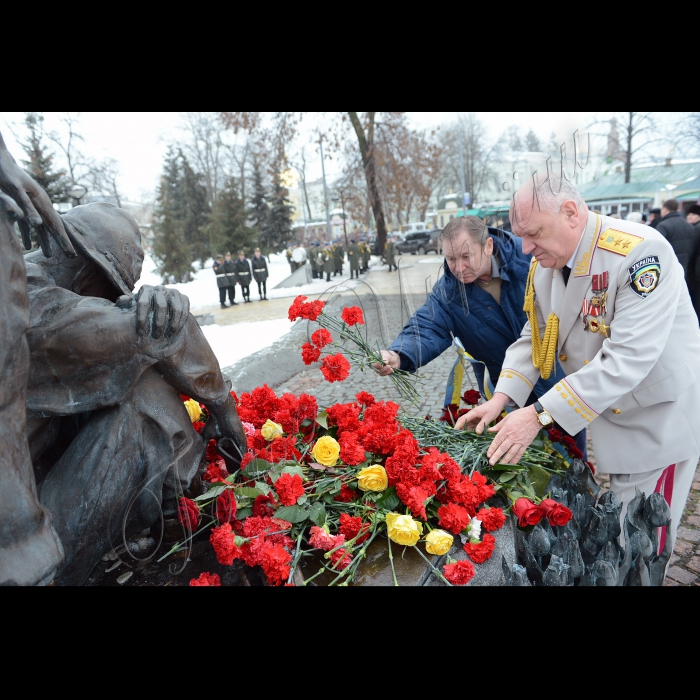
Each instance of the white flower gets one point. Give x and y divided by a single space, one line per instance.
474 531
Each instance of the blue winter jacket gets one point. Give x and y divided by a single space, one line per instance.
485 329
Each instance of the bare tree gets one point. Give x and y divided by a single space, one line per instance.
687 133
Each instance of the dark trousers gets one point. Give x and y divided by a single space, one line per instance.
262 287
231 293
246 292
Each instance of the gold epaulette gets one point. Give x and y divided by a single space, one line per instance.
618 242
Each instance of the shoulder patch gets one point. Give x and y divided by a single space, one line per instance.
618 242
645 275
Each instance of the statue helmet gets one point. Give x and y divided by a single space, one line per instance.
110 237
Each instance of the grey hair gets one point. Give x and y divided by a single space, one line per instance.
477 230
553 192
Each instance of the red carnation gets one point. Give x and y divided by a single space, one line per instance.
352 315
275 564
345 495
198 425
188 513
527 512
568 442
351 527
340 559
223 541
184 397
471 397
320 539
335 368
491 518
226 507
309 354
555 435
480 552
216 471
351 450
555 512
365 398
414 497
289 487
295 309
453 518
206 579
211 453
575 452
321 338
459 573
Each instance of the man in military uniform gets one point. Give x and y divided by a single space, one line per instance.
225 272
293 265
619 318
354 258
244 275
338 258
366 254
326 260
313 255
390 254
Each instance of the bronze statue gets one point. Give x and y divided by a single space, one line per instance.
109 436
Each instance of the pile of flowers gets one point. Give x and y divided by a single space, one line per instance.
327 483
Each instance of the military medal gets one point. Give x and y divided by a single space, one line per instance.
596 306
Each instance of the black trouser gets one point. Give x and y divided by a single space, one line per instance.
246 291
355 273
231 293
262 287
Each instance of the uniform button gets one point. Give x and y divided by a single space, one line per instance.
585 362
562 358
616 410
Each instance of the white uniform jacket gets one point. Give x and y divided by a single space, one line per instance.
639 387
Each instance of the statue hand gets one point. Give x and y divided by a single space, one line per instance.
35 205
160 311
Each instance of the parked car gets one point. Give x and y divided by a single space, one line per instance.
420 242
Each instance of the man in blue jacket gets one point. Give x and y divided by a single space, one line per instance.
479 299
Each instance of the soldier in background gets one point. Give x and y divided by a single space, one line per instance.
390 254
313 254
366 255
261 273
354 258
225 272
325 259
244 274
338 258
293 265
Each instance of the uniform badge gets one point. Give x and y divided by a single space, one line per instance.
645 275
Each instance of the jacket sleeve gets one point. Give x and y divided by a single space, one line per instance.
639 331
426 335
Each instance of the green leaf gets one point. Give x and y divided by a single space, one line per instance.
388 500
247 491
212 493
539 478
302 499
322 419
292 514
262 487
317 514
328 498
293 469
243 513
257 467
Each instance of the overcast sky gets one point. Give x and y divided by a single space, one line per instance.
138 140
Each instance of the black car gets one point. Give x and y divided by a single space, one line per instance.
420 242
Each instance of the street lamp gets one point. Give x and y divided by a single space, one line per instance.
75 192
341 199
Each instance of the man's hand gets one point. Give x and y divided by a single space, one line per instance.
479 417
160 311
392 361
515 433
35 205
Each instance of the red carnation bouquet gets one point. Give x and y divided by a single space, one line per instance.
334 340
318 487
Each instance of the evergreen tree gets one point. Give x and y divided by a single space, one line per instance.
39 162
228 229
532 143
194 211
259 209
170 247
278 231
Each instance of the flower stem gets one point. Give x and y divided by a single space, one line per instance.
391 561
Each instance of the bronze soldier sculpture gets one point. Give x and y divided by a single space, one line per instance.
109 435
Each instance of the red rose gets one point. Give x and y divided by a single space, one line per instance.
264 505
223 541
335 368
289 487
226 507
555 512
555 435
188 513
309 354
206 579
471 397
459 573
575 453
321 338
480 552
352 315
568 441
591 467
449 413
527 512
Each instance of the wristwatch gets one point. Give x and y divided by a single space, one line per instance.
543 416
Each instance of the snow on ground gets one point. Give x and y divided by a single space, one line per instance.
202 291
226 343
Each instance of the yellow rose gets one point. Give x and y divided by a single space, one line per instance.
271 430
326 451
438 542
193 409
372 478
403 529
